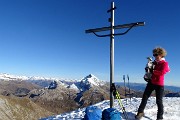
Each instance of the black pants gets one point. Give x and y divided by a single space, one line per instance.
159 95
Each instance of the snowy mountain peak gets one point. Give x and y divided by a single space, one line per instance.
91 80
5 76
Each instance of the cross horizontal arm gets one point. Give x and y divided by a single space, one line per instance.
116 27
116 33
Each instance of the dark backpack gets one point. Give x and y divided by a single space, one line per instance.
111 114
93 113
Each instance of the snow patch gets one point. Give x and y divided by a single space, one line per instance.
171 109
73 86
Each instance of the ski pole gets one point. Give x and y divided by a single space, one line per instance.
121 105
130 95
124 84
117 95
124 78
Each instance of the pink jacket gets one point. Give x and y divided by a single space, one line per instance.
160 69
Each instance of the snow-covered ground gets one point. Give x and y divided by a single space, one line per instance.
171 109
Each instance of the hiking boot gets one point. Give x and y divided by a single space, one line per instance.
139 115
159 117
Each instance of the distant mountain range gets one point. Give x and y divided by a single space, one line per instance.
44 82
61 95
141 86
51 94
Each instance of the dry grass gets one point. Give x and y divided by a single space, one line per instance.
13 108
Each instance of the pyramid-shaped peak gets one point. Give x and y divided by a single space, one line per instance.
91 80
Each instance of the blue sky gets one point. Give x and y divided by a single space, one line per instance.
47 38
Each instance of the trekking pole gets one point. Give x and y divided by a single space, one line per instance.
117 95
130 95
124 85
121 105
125 88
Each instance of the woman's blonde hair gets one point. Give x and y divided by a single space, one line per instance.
160 51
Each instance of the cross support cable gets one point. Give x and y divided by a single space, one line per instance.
111 28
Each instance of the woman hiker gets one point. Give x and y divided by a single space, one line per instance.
160 68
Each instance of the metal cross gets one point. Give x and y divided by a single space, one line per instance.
111 35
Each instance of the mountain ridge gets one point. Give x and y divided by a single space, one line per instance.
58 95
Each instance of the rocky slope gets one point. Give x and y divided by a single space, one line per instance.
68 96
11 87
14 108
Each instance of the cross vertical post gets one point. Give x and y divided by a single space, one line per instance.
112 54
